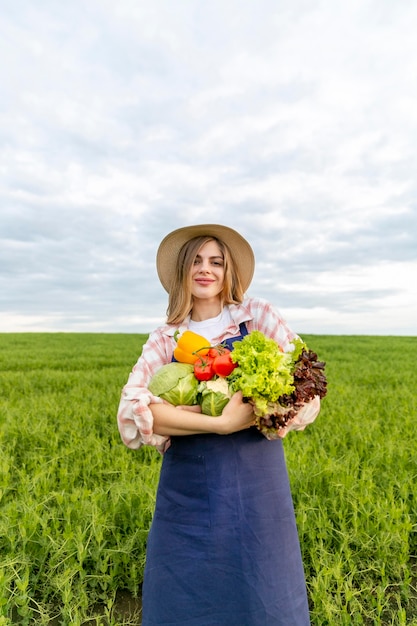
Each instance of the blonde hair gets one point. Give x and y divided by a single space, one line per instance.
180 301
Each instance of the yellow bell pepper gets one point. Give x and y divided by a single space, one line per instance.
190 346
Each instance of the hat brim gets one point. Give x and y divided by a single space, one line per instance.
170 246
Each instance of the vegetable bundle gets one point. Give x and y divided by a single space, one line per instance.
277 383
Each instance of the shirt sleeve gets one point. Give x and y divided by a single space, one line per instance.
269 321
134 417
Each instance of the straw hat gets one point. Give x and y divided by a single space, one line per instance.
170 246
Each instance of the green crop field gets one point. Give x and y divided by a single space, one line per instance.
76 504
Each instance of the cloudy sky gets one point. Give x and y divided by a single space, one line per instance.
294 121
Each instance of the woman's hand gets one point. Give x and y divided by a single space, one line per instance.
305 416
237 415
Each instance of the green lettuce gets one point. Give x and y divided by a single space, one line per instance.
264 372
175 383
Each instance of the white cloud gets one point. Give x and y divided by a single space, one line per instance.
294 122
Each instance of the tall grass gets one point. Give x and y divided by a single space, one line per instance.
76 504
354 480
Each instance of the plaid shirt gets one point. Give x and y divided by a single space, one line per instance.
134 417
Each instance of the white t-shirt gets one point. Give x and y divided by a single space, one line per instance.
212 327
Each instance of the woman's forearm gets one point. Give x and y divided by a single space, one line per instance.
172 421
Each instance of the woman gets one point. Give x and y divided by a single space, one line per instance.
223 548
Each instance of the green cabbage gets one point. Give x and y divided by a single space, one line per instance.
214 395
175 383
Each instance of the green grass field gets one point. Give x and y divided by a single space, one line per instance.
76 504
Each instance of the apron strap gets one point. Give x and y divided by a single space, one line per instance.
243 332
243 329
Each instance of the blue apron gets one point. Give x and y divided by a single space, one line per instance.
223 548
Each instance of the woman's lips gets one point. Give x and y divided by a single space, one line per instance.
204 281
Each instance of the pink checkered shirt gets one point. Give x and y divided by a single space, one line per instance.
134 417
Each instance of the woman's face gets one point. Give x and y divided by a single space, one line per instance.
207 272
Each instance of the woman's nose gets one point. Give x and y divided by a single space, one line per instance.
205 266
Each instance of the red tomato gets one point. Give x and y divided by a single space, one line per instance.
216 351
203 368
223 364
